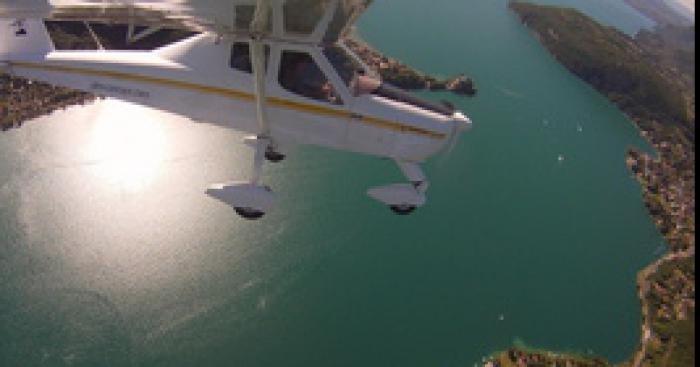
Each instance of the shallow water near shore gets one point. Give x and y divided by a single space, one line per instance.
111 254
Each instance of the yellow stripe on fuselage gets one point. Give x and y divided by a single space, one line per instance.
231 93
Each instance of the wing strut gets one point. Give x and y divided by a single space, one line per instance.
252 199
94 36
132 36
258 28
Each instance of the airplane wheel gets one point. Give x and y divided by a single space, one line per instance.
402 209
249 213
273 156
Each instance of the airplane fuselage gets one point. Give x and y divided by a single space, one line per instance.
197 78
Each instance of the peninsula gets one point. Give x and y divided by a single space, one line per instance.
22 100
401 75
651 79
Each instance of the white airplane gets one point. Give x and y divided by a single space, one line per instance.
275 69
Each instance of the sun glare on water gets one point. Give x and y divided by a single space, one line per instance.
127 145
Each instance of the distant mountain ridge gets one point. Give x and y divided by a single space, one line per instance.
685 8
613 63
663 12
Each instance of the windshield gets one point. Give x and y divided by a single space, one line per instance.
302 16
342 62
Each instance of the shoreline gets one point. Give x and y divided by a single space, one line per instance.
668 191
644 287
22 100
521 356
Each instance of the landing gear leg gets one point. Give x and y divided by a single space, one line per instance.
262 147
415 175
262 143
250 199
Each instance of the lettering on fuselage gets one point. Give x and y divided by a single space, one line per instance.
128 92
20 29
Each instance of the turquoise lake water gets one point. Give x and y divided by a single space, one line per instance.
110 253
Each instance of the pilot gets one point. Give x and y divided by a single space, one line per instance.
329 93
302 76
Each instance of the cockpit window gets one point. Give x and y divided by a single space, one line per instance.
300 74
344 64
343 15
240 57
244 14
302 16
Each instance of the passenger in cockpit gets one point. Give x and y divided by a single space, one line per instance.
301 75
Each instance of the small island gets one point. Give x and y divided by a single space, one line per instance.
651 78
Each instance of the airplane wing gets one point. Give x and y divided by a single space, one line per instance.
307 21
